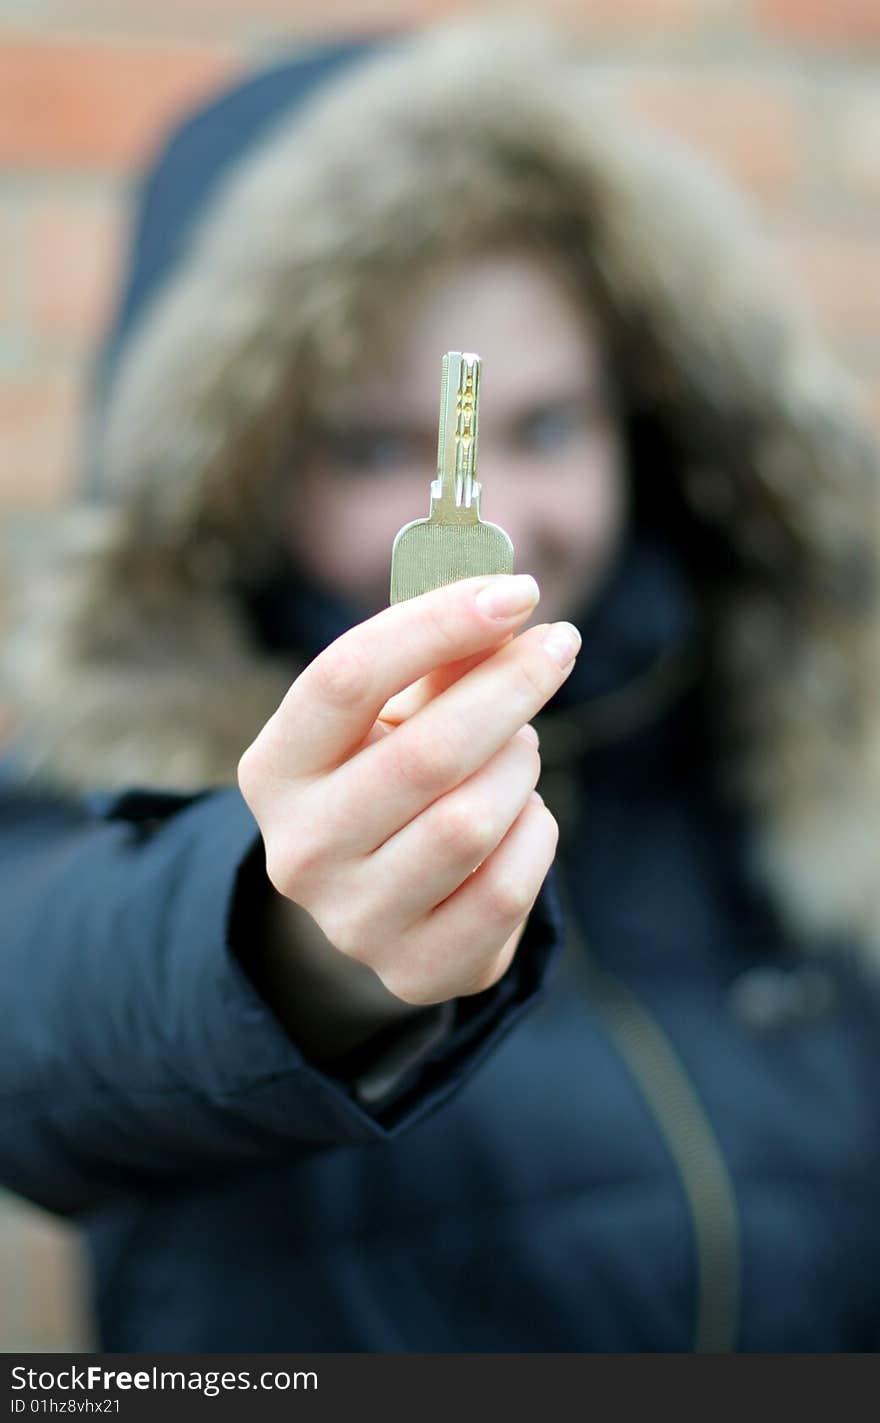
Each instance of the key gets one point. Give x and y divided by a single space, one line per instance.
453 542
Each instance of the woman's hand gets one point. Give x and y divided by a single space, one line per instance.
394 786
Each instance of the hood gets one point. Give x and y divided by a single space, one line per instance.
139 657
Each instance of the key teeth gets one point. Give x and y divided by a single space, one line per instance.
455 485
467 414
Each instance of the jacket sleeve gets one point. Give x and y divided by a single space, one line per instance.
135 1050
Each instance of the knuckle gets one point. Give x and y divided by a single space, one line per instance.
465 828
401 984
552 827
537 768
508 897
343 674
427 763
291 861
341 927
248 772
535 676
521 765
527 735
349 913
529 758
414 973
281 867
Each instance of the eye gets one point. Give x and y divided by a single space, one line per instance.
555 427
361 450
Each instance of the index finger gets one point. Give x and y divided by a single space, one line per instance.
335 700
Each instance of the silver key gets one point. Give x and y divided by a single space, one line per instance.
453 542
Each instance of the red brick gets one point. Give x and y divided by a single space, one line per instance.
841 277
98 105
39 424
73 252
351 16
753 131
295 16
823 21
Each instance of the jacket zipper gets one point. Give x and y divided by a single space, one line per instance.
684 1125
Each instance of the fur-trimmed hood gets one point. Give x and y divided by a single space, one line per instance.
135 661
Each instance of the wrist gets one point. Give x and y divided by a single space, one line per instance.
327 1003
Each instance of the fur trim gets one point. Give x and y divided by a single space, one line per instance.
139 666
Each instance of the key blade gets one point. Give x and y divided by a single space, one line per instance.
455 487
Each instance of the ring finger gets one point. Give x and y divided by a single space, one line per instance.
435 853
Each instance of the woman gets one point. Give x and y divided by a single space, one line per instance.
679 1147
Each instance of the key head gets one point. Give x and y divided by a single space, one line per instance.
428 553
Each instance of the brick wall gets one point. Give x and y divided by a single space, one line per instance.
783 93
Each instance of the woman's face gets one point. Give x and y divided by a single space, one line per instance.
551 460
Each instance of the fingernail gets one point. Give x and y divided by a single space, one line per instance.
508 596
562 643
528 733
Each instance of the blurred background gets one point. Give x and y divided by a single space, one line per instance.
783 94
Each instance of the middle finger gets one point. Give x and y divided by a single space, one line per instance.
382 787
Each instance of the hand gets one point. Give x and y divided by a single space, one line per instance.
394 788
